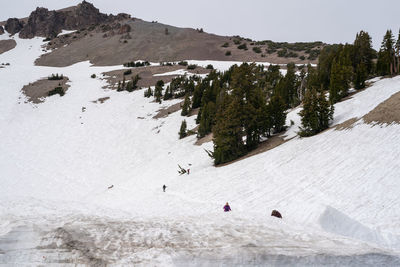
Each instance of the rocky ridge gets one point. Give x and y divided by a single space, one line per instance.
45 23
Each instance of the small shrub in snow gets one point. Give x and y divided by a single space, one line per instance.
148 92
182 131
183 63
57 90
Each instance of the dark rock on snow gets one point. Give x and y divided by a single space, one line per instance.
276 214
1 30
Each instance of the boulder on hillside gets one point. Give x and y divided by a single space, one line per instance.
13 25
276 213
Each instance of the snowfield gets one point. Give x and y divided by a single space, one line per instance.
338 192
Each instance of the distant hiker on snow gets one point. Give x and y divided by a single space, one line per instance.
276 214
188 171
164 187
227 207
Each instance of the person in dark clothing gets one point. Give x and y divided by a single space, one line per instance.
227 207
164 187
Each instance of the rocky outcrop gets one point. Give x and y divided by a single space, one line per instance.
45 23
13 25
1 30
84 15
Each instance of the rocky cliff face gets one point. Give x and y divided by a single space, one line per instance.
45 23
84 15
13 25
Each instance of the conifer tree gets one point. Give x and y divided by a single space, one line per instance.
148 92
168 93
328 54
207 119
335 83
182 131
186 106
386 56
227 132
316 113
361 76
363 53
277 113
197 95
158 93
272 76
286 87
341 75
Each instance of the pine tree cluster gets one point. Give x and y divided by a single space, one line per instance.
239 106
55 77
246 103
389 55
130 85
133 64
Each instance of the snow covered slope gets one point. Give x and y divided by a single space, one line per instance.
338 191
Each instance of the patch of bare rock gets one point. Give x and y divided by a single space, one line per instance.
37 91
7 45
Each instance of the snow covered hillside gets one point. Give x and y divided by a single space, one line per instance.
338 192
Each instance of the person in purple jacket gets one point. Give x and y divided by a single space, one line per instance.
227 207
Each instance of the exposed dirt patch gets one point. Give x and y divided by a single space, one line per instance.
7 45
38 90
146 74
386 112
349 124
269 144
101 100
205 139
164 112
